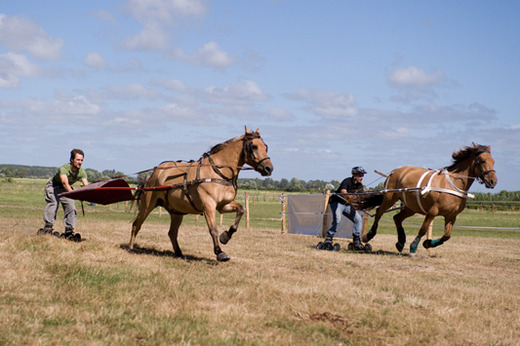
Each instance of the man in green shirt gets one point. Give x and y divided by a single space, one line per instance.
66 176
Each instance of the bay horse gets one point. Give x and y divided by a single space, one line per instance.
203 187
432 193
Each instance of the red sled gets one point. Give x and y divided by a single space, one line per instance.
103 192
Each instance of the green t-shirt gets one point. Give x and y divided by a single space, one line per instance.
73 177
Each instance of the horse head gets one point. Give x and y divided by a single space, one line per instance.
484 166
255 153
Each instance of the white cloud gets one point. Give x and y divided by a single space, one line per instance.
240 93
65 104
13 66
172 84
153 37
280 114
208 55
164 10
412 76
212 55
157 16
96 61
328 104
23 35
132 91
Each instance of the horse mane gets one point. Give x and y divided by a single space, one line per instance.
466 153
218 147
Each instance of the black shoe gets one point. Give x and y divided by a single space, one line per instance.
356 243
69 235
47 229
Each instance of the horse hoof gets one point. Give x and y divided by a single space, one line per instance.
399 246
224 237
427 244
223 257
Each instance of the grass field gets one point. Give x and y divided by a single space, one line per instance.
276 290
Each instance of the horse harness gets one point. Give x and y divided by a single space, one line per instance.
423 190
223 180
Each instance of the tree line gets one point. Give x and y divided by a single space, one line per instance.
39 172
267 184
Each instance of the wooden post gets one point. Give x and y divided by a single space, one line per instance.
282 198
246 197
325 216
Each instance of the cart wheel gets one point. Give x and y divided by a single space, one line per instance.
336 247
368 248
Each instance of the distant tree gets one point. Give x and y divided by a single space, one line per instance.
296 185
20 172
9 173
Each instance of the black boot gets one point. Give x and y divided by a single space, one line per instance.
325 245
47 229
70 235
356 243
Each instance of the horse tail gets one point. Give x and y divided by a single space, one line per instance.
366 202
139 191
137 196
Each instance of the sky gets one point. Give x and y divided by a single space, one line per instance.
330 84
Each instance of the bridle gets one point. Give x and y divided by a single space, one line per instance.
478 164
248 152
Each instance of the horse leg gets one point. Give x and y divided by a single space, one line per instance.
448 226
145 209
228 208
176 220
398 221
422 231
388 201
209 214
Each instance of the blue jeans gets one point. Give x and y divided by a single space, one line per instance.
337 210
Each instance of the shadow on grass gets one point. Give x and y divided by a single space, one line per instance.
139 250
381 253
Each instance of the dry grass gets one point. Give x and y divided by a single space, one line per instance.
277 289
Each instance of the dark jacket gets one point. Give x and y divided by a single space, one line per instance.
349 185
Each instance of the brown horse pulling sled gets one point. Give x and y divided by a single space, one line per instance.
203 187
431 193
